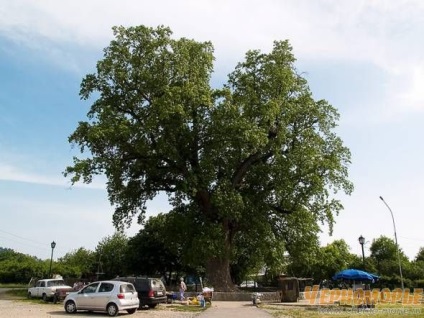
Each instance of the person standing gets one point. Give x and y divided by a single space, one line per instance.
183 288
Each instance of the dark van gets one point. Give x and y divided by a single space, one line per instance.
151 291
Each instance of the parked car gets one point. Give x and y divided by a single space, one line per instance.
151 291
249 284
105 296
48 289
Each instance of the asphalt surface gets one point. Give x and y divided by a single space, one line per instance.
233 309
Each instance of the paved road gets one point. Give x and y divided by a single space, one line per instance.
233 309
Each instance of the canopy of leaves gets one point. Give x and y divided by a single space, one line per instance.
156 249
19 268
110 255
384 252
420 255
242 157
324 262
82 261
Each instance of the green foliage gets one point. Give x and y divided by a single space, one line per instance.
384 259
110 255
334 258
253 154
384 254
324 262
17 292
420 255
155 249
79 263
415 270
19 268
419 283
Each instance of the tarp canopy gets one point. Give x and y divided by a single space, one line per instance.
356 275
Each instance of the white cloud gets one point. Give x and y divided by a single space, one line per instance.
414 91
16 174
333 29
382 33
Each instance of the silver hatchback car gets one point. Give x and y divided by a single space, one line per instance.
106 296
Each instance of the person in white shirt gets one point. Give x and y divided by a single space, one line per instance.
183 288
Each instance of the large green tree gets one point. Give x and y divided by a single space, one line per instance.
110 256
322 263
242 159
155 249
82 261
384 255
19 268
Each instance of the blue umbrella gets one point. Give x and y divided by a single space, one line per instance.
355 274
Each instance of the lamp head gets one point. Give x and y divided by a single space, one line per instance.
53 244
361 240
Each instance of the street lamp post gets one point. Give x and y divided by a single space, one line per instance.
53 245
361 240
396 241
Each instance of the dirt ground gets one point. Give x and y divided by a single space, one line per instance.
16 308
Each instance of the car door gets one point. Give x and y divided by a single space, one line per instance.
86 296
103 294
39 288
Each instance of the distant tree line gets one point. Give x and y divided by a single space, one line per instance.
158 250
325 261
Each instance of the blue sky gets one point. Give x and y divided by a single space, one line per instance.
364 57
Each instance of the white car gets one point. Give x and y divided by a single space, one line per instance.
249 284
105 296
47 288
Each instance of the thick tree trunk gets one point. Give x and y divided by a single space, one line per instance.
218 266
218 274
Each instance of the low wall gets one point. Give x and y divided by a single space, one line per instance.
240 296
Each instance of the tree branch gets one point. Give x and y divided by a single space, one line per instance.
246 164
280 209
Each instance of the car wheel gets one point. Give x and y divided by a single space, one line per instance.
45 297
70 307
55 299
29 295
131 311
152 306
112 310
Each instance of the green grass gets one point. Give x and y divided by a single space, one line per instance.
21 295
185 308
381 311
13 285
18 292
